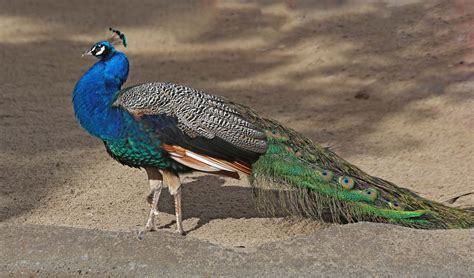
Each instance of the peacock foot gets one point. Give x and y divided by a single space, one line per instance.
150 224
152 198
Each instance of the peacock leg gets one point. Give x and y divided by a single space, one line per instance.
177 208
150 224
171 179
156 184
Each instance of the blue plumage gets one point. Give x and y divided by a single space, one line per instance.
95 92
126 140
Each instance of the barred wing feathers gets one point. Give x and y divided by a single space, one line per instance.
207 125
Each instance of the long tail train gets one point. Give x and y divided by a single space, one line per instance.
314 182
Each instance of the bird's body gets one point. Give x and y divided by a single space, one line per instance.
170 129
93 101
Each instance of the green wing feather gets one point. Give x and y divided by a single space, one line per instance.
304 178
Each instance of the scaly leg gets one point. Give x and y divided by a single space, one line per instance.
156 184
150 224
171 179
177 208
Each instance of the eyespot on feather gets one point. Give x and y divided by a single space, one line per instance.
395 205
326 175
371 193
346 182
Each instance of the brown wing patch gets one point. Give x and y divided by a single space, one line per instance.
174 149
236 165
206 163
138 113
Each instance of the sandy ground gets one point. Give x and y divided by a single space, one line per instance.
388 84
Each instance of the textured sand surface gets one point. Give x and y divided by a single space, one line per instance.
388 84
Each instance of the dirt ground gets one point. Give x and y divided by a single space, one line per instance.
388 84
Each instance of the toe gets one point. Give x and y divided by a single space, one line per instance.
141 234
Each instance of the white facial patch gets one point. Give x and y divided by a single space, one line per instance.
101 50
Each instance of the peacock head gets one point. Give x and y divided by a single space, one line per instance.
104 49
100 50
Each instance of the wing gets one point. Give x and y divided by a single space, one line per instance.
208 128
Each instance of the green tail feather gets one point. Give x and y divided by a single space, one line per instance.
315 182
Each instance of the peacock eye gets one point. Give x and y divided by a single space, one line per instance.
395 205
99 50
326 175
371 193
346 182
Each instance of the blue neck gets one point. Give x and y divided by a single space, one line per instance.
94 94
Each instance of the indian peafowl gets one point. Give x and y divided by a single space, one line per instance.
170 129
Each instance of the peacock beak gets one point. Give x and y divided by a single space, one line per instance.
87 53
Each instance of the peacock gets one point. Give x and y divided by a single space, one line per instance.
169 129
